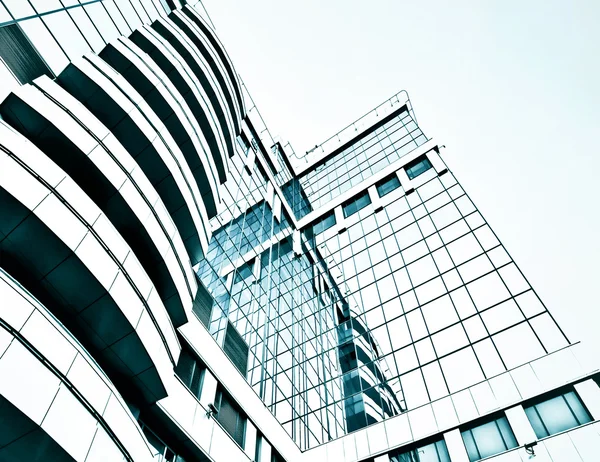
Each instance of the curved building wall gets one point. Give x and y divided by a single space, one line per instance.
163 299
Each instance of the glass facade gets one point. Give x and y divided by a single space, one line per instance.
372 152
442 297
358 287
412 302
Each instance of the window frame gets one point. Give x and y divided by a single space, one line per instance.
352 206
393 178
508 445
241 418
531 408
416 162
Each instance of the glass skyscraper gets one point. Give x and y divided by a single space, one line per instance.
176 285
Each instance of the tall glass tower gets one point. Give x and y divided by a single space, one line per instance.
176 285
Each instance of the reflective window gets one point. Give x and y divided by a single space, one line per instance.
434 452
417 166
324 223
387 185
190 370
489 439
230 416
557 414
355 204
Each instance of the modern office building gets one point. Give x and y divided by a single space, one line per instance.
176 285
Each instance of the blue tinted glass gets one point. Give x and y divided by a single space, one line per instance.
536 422
580 412
362 201
470 445
414 170
350 209
557 415
324 224
434 452
388 186
489 439
506 432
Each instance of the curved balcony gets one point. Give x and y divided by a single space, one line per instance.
181 43
204 46
61 248
110 98
220 50
166 102
95 160
58 405
183 79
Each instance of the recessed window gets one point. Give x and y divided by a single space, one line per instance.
387 185
190 370
324 224
230 416
355 204
557 414
434 452
161 451
488 439
417 166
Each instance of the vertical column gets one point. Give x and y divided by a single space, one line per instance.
250 161
250 440
270 194
456 446
256 269
265 450
297 244
589 392
436 161
520 425
209 389
375 199
405 181
339 219
277 208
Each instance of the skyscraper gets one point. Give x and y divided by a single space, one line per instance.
176 285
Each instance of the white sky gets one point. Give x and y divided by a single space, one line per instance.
510 87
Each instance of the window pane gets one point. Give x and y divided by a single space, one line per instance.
536 422
388 186
507 434
489 439
580 412
557 415
415 168
362 201
470 445
434 452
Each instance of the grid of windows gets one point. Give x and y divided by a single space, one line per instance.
284 316
362 159
489 439
443 299
557 414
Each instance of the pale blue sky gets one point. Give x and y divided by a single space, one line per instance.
510 87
